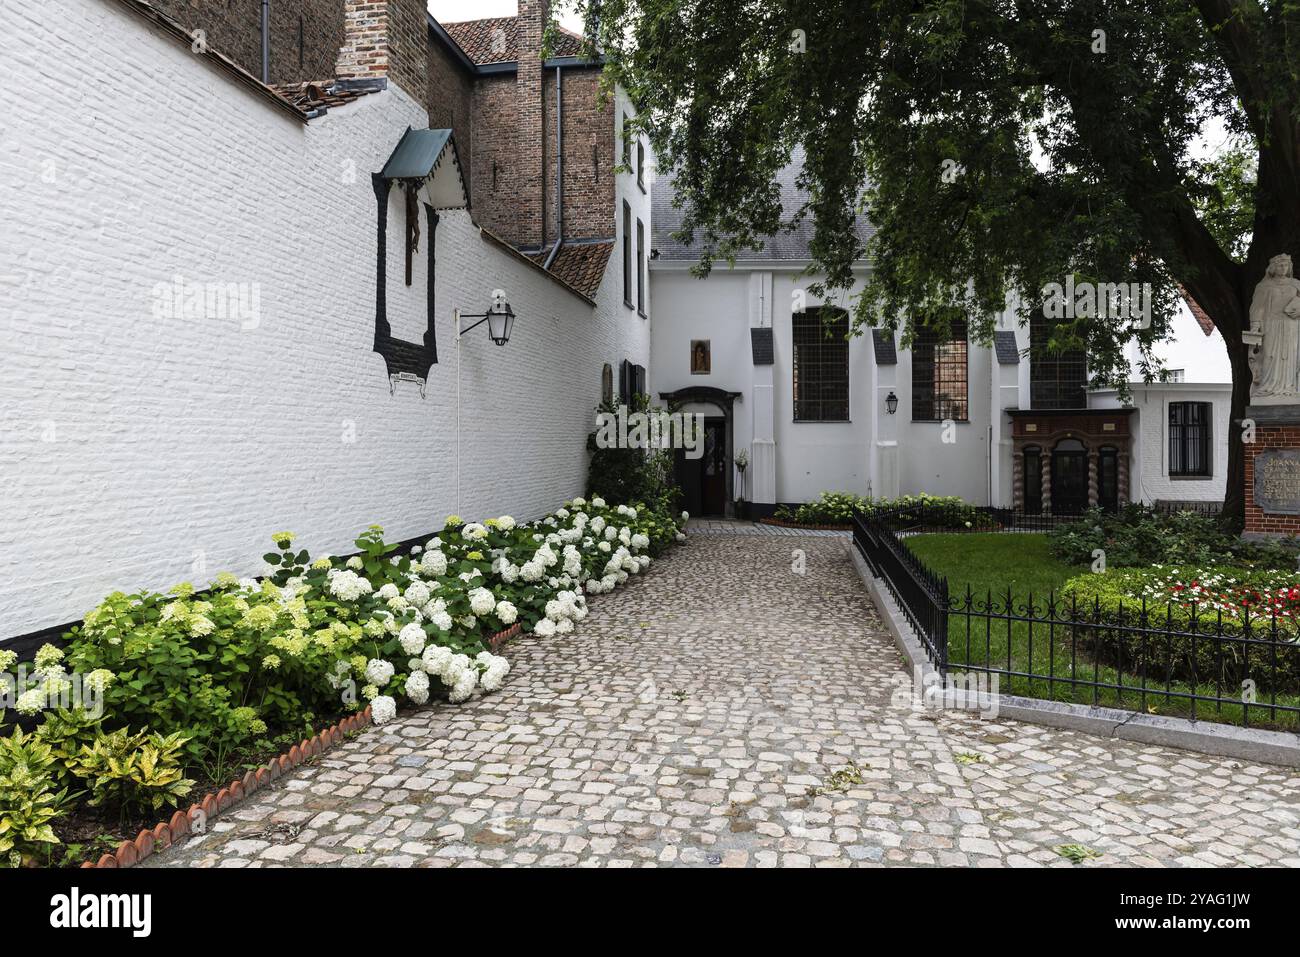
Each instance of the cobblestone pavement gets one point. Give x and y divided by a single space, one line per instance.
723 710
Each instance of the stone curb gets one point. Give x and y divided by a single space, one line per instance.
1206 737
166 833
780 523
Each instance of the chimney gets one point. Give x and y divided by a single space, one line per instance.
384 40
531 120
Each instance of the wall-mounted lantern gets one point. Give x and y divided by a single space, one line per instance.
891 403
499 317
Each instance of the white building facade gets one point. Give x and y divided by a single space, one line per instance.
1004 424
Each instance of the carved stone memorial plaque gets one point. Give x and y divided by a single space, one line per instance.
1277 481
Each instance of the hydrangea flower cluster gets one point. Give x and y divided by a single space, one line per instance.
380 626
477 578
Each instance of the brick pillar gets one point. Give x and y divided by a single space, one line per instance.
1046 462
1271 459
530 117
385 40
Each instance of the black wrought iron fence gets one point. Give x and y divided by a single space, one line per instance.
1217 661
1208 509
920 593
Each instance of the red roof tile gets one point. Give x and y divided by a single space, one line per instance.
580 265
316 94
496 40
1200 315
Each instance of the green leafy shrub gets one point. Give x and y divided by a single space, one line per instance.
218 669
31 799
934 511
1137 536
66 731
132 772
632 475
829 508
252 659
1190 606
838 508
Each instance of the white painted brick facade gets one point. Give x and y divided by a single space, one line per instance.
137 451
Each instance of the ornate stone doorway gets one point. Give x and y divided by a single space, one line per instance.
1065 461
691 473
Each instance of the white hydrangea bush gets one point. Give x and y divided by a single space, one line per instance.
425 616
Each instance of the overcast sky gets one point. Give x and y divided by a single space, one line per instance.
453 10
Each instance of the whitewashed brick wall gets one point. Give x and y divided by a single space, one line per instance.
137 451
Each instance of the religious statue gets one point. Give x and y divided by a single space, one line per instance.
1275 335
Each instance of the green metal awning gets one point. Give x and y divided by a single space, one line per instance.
430 155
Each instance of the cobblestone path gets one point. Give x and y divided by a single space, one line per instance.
722 710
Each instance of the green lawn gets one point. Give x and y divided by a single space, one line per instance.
993 561
1003 570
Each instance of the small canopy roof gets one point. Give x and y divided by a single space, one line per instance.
430 155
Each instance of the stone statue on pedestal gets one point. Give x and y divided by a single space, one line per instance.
1275 336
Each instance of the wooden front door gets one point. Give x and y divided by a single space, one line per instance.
1069 482
703 481
715 467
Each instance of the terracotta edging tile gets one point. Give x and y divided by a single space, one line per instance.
183 822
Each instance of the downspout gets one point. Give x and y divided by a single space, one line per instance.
266 41
995 392
559 168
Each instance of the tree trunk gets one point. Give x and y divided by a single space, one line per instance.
1233 515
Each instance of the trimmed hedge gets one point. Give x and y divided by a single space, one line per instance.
1139 537
1198 638
838 508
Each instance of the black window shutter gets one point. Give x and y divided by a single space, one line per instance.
624 385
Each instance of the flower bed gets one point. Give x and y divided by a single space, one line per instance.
1189 609
193 682
163 834
836 510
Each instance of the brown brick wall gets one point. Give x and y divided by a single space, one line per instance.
504 125
495 198
386 38
529 165
588 156
305 34
1257 520
514 146
409 46
451 106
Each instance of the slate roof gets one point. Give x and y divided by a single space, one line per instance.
580 265
784 247
496 40
882 342
760 344
1004 345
